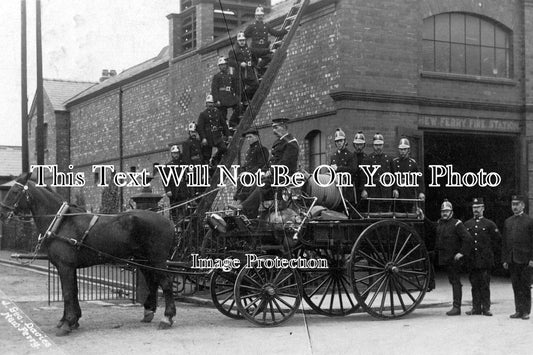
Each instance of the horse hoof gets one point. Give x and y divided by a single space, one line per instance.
148 317
60 324
63 330
164 325
75 326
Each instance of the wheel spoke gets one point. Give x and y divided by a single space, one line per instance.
259 308
332 294
395 284
284 279
383 261
405 290
325 293
371 286
348 294
315 279
384 296
222 292
365 255
288 286
370 276
409 253
278 307
384 278
393 256
367 267
414 272
403 246
271 306
411 262
283 301
320 286
249 279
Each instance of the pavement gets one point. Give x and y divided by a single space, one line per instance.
441 296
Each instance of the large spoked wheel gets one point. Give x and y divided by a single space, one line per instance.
328 291
390 269
222 286
267 296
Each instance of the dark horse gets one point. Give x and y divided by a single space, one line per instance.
76 240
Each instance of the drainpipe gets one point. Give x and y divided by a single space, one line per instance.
120 145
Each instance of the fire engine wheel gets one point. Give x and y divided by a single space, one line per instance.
267 296
222 285
328 291
390 269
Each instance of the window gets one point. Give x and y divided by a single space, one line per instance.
188 32
316 149
466 44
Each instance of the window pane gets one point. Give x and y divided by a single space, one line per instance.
427 55
472 60
472 30
502 63
458 58
428 28
501 39
442 28
458 28
487 34
487 61
442 57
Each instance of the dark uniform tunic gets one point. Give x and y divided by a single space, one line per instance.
247 75
180 193
378 191
212 126
225 90
258 32
517 251
346 161
360 179
407 165
453 238
284 151
192 151
256 159
486 238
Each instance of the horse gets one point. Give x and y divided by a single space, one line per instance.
73 238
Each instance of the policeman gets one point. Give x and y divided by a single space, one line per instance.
486 239
176 194
224 90
343 160
284 151
258 32
256 159
453 244
359 143
192 147
405 164
377 157
244 60
213 132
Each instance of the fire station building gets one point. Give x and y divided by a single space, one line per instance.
454 76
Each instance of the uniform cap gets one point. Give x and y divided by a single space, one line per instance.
222 60
259 11
359 138
209 98
517 198
174 149
241 36
477 201
192 127
378 138
404 143
339 135
251 131
446 205
280 120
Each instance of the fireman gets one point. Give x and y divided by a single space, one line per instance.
213 132
224 91
405 164
344 161
382 160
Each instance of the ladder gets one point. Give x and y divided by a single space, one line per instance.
281 44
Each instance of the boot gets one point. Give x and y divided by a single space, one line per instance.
455 311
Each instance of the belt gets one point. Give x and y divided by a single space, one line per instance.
261 41
227 88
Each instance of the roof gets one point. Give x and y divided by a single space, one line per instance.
162 57
59 91
11 158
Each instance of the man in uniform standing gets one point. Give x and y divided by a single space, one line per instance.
344 161
224 90
213 132
284 151
192 147
359 143
517 256
244 60
176 194
486 236
258 32
377 157
405 164
256 159
453 245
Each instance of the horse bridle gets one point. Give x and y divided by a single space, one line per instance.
13 209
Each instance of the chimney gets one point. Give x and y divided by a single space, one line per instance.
105 75
205 22
112 72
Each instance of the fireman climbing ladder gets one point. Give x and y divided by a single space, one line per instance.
281 43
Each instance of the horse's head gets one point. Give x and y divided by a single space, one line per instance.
17 198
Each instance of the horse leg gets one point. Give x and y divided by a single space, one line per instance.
150 304
69 289
165 280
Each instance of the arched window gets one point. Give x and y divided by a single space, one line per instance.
316 149
466 44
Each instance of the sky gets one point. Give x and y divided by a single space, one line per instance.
79 39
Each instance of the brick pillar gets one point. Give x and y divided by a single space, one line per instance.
526 156
205 22
174 34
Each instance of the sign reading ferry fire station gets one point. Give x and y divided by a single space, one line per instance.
469 123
